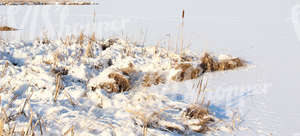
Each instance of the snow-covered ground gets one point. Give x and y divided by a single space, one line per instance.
265 33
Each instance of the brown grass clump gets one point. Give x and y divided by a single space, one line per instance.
89 50
108 86
121 83
230 64
186 72
196 112
185 58
152 79
6 28
128 70
209 64
148 120
200 113
108 43
61 71
80 39
67 42
93 37
45 39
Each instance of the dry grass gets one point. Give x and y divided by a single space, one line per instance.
128 70
143 118
121 83
80 39
187 58
147 121
200 113
201 87
89 50
93 37
45 2
186 72
62 71
150 79
196 112
11 127
70 98
70 130
4 70
56 58
59 86
181 33
2 120
108 43
209 64
123 79
59 72
1 127
67 41
44 39
6 28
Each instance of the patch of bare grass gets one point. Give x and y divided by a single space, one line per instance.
89 50
199 117
80 39
186 71
210 64
150 79
106 44
121 83
7 28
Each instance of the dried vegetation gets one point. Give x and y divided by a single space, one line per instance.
209 64
186 71
107 43
6 28
43 2
197 114
153 78
7 120
121 83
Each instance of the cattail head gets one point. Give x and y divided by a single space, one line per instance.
182 14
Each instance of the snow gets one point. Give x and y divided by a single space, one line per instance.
262 32
34 80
